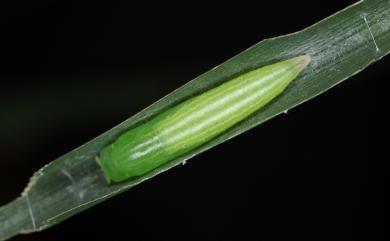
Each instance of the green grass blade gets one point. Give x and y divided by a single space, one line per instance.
341 46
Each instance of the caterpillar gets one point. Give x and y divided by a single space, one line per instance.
196 120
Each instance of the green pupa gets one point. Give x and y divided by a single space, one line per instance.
196 120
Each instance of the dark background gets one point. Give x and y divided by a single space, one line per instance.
72 69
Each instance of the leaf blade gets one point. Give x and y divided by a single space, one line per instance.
341 46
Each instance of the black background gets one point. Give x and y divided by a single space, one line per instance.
72 69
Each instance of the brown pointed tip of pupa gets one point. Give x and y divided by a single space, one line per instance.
303 60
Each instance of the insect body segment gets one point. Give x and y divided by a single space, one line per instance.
196 121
